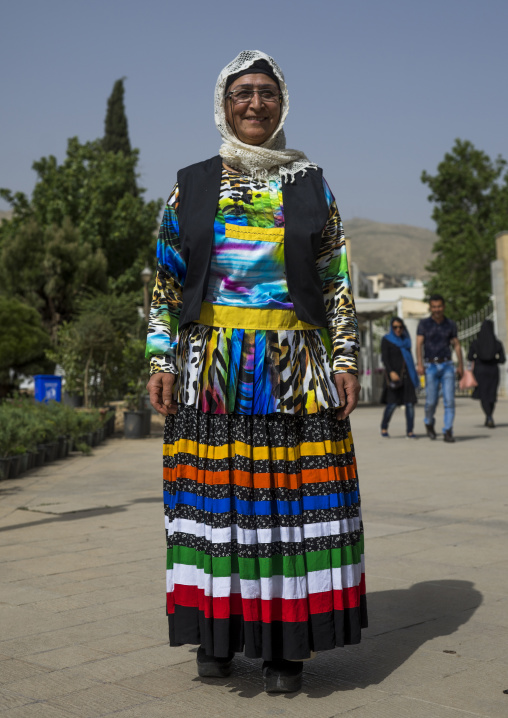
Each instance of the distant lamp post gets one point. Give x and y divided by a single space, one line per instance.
146 275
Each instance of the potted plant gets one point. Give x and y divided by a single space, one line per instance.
108 420
21 443
22 437
17 463
64 419
68 355
89 424
134 417
47 436
9 444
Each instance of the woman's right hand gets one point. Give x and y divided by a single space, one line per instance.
394 376
160 388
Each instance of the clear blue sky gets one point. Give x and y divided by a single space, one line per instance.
379 90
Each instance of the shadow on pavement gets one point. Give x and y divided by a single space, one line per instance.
78 514
401 621
10 491
472 437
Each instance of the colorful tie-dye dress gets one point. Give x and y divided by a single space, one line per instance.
262 508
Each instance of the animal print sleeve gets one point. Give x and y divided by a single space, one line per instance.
339 303
167 294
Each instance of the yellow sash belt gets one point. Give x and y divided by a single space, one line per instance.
215 315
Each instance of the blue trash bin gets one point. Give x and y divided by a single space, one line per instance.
48 387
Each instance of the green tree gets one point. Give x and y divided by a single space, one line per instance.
74 252
23 343
116 134
470 193
90 191
50 268
97 349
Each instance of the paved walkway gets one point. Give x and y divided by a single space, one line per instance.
83 630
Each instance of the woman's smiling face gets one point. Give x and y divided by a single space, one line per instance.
253 122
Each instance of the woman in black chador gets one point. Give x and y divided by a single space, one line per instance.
400 376
486 351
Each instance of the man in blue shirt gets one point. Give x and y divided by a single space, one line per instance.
436 336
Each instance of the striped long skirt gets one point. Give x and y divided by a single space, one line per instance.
264 533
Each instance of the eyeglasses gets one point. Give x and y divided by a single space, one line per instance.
397 326
242 96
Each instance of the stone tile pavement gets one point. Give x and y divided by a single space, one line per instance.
83 630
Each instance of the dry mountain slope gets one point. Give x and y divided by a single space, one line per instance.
390 248
398 249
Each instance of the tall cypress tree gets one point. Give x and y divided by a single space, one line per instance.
116 134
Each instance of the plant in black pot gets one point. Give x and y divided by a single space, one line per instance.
23 442
48 435
64 420
89 423
137 418
7 442
15 439
134 416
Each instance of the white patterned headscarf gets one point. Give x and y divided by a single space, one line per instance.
271 160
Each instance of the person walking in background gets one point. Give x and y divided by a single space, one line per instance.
400 377
436 336
487 352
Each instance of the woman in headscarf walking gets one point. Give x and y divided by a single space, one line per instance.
487 352
401 378
253 346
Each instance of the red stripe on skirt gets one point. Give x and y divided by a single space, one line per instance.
255 609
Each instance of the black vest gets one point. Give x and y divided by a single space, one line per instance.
305 213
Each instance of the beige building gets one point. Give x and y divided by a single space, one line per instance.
499 272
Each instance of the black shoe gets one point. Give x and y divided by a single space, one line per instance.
490 423
448 436
213 667
282 676
430 431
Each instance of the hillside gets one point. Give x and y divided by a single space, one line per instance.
398 249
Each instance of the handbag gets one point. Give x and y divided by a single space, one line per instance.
467 380
396 384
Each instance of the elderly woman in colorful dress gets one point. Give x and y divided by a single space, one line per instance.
253 348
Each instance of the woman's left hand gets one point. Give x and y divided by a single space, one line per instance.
348 389
160 388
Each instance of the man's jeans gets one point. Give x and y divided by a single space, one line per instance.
437 375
